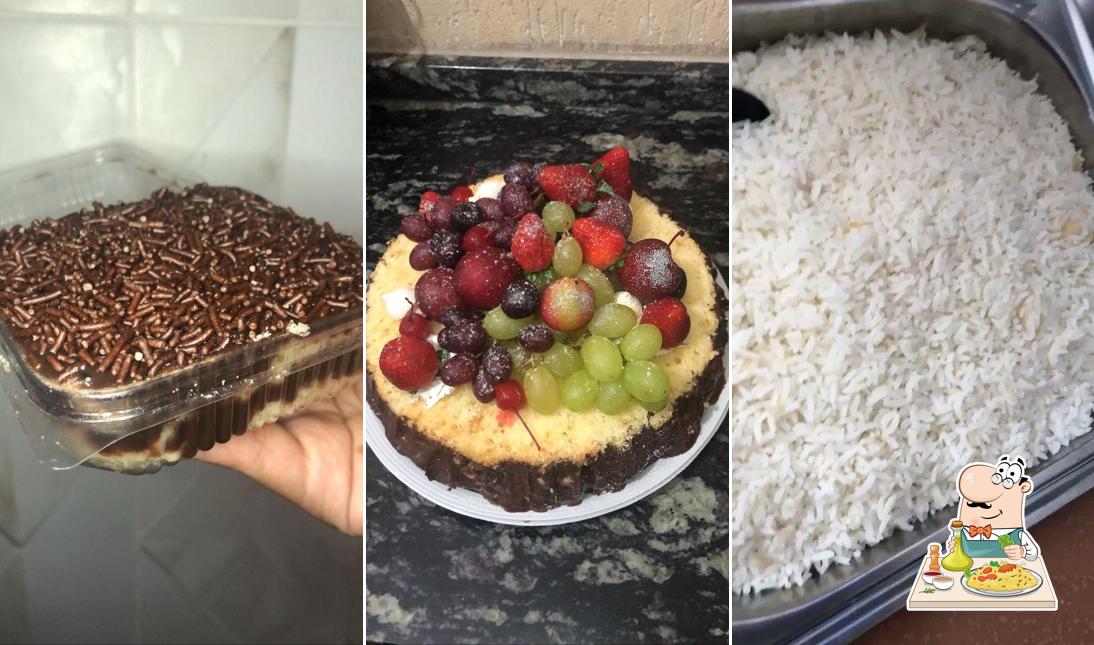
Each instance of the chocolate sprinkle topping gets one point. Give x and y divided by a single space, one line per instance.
119 294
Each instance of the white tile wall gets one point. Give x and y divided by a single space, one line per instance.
63 87
263 94
68 7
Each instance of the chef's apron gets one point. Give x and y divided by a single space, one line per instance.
988 548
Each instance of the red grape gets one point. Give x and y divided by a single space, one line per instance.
510 395
436 290
422 258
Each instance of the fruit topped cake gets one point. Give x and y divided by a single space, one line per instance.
543 334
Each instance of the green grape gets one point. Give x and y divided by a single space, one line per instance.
612 320
542 278
541 390
646 381
567 260
562 360
522 359
558 217
579 391
600 284
502 327
656 406
613 397
641 343
602 358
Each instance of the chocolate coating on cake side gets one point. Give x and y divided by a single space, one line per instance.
518 487
217 422
118 294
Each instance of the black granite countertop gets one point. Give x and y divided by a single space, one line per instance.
656 571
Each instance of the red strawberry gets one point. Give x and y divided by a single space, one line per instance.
670 316
601 243
408 362
617 171
414 324
571 183
532 245
461 194
427 202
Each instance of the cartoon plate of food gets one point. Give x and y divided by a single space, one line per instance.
1001 579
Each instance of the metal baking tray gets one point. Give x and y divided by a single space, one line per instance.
1045 40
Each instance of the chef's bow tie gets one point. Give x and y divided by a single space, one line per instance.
980 530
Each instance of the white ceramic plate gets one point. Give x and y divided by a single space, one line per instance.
1004 594
472 504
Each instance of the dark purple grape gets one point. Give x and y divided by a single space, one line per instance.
452 316
482 387
521 299
465 216
520 172
490 209
416 228
464 337
536 169
515 200
422 258
614 210
502 237
459 369
447 248
536 338
497 364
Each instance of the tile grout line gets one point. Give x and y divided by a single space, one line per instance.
244 86
134 136
131 73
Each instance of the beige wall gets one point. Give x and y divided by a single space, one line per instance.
643 29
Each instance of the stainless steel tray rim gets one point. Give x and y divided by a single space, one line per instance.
876 584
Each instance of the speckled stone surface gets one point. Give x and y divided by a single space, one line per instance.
656 571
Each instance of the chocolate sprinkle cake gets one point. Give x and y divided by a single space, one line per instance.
119 294
113 297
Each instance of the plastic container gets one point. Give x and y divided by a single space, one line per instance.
1045 40
139 427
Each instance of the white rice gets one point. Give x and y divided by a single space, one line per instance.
912 272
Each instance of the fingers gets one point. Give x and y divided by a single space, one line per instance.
270 455
313 458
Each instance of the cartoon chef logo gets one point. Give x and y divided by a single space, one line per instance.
991 561
992 511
